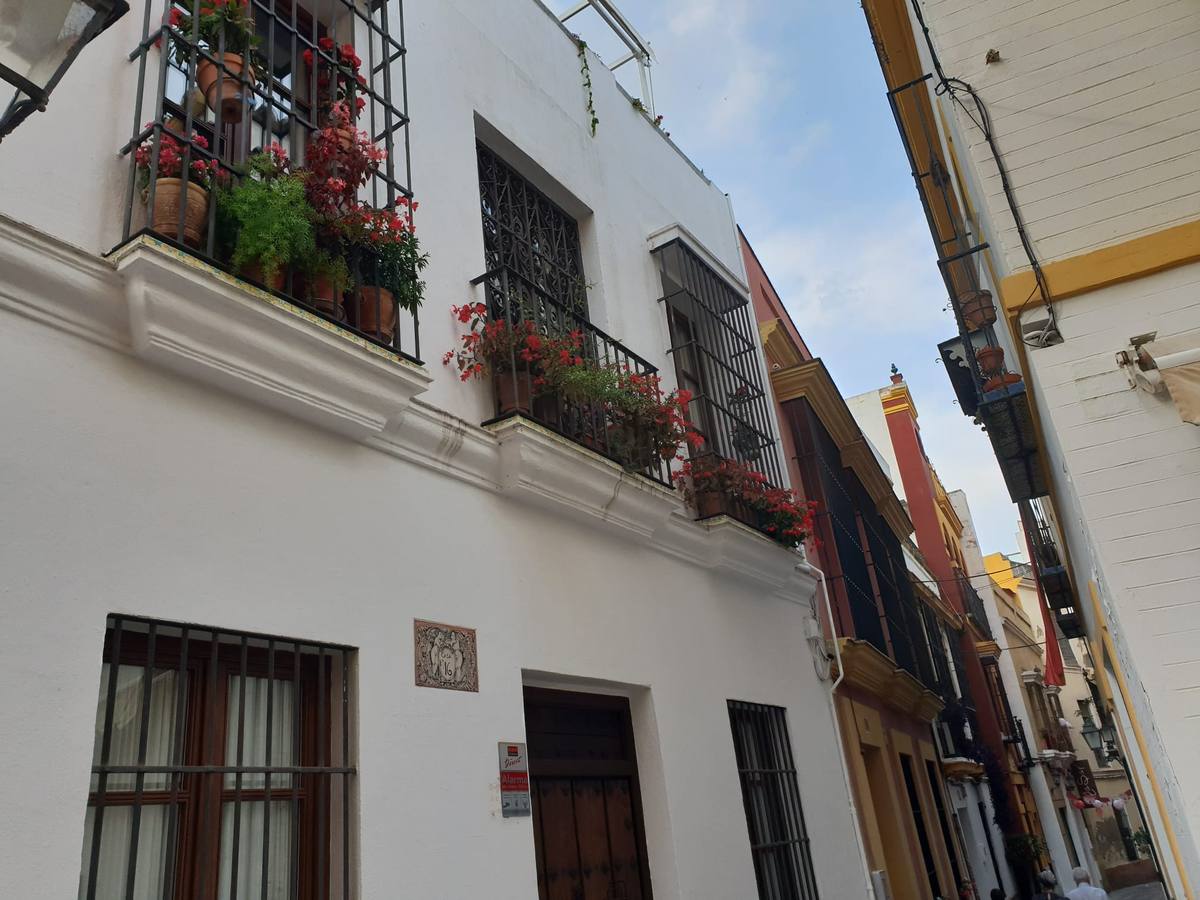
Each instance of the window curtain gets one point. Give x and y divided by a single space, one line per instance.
117 830
255 829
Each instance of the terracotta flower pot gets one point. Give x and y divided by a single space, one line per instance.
668 451
254 272
346 138
709 504
990 359
998 381
165 216
324 298
375 312
977 309
223 89
514 392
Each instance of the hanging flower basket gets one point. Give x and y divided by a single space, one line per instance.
977 309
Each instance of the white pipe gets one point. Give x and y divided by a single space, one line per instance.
837 730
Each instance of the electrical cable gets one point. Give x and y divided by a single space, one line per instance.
952 87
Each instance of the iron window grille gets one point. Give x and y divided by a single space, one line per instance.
714 344
779 839
281 99
528 234
222 766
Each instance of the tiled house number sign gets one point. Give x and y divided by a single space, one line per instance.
446 656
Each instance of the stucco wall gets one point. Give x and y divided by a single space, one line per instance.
128 490
1095 110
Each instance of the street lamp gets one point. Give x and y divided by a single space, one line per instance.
39 39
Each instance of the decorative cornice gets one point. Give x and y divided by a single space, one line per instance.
810 380
782 353
871 671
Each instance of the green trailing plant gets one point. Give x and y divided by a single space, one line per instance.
272 215
585 72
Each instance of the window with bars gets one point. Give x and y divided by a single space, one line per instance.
527 235
771 794
714 343
221 767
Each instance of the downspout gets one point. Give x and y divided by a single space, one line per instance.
837 730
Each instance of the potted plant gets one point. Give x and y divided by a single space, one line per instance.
326 277
273 219
977 309
338 80
169 196
226 31
990 359
716 486
513 354
384 243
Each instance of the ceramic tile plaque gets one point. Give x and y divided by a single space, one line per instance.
446 656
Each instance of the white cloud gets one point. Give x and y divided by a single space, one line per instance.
693 15
843 275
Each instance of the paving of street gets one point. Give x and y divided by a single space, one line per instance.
1139 892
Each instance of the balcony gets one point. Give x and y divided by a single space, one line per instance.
973 605
270 150
597 403
1051 571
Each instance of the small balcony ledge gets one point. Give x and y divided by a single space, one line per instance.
959 768
542 467
198 321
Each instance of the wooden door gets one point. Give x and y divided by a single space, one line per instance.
587 817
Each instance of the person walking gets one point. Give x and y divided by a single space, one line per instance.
1084 889
1046 882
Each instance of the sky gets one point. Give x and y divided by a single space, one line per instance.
782 103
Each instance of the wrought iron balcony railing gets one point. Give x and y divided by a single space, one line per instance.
973 604
522 305
1050 569
270 78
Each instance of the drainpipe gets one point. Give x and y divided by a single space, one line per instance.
837 730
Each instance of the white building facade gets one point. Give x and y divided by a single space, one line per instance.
244 544
1054 149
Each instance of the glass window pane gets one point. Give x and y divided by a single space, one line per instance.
254 738
251 830
127 724
115 839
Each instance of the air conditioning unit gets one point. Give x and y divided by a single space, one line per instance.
879 884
